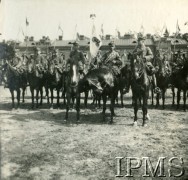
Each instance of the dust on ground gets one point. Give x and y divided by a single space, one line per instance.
37 144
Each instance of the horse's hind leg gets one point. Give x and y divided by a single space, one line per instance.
85 100
173 96
112 109
41 95
32 97
121 95
144 110
163 97
178 98
18 98
104 106
12 96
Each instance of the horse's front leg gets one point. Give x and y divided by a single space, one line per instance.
12 96
78 107
23 94
173 96
52 98
121 96
163 97
32 97
67 106
37 98
135 109
184 100
41 95
178 98
112 108
144 109
85 100
18 97
104 106
58 98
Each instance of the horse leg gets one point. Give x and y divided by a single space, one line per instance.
23 94
32 97
152 96
85 100
178 98
67 106
78 107
52 98
163 97
47 95
58 98
18 98
121 96
135 110
104 106
144 110
112 108
184 100
37 98
157 100
41 95
12 96
99 101
173 96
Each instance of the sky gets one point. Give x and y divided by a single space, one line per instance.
44 17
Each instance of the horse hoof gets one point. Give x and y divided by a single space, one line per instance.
148 117
78 122
135 124
145 125
110 122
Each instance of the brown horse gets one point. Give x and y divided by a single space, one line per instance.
36 79
108 82
179 80
15 81
140 87
72 88
54 81
162 76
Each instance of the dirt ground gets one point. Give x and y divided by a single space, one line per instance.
38 145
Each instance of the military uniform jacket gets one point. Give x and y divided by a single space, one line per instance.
41 61
16 62
144 52
77 57
110 56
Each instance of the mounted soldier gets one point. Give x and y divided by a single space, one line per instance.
95 62
145 53
112 60
39 60
77 56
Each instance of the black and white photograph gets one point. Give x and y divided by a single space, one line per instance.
93 89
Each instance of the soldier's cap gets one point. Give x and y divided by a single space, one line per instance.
141 37
112 44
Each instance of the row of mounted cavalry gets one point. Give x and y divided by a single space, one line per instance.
71 84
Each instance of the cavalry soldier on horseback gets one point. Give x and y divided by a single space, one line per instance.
112 60
77 56
95 62
145 53
39 60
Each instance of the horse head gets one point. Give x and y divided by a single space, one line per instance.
74 74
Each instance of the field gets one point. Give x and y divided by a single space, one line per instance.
38 145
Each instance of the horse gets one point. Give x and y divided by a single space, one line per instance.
140 85
179 80
54 81
124 82
107 81
15 80
36 79
72 88
162 76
